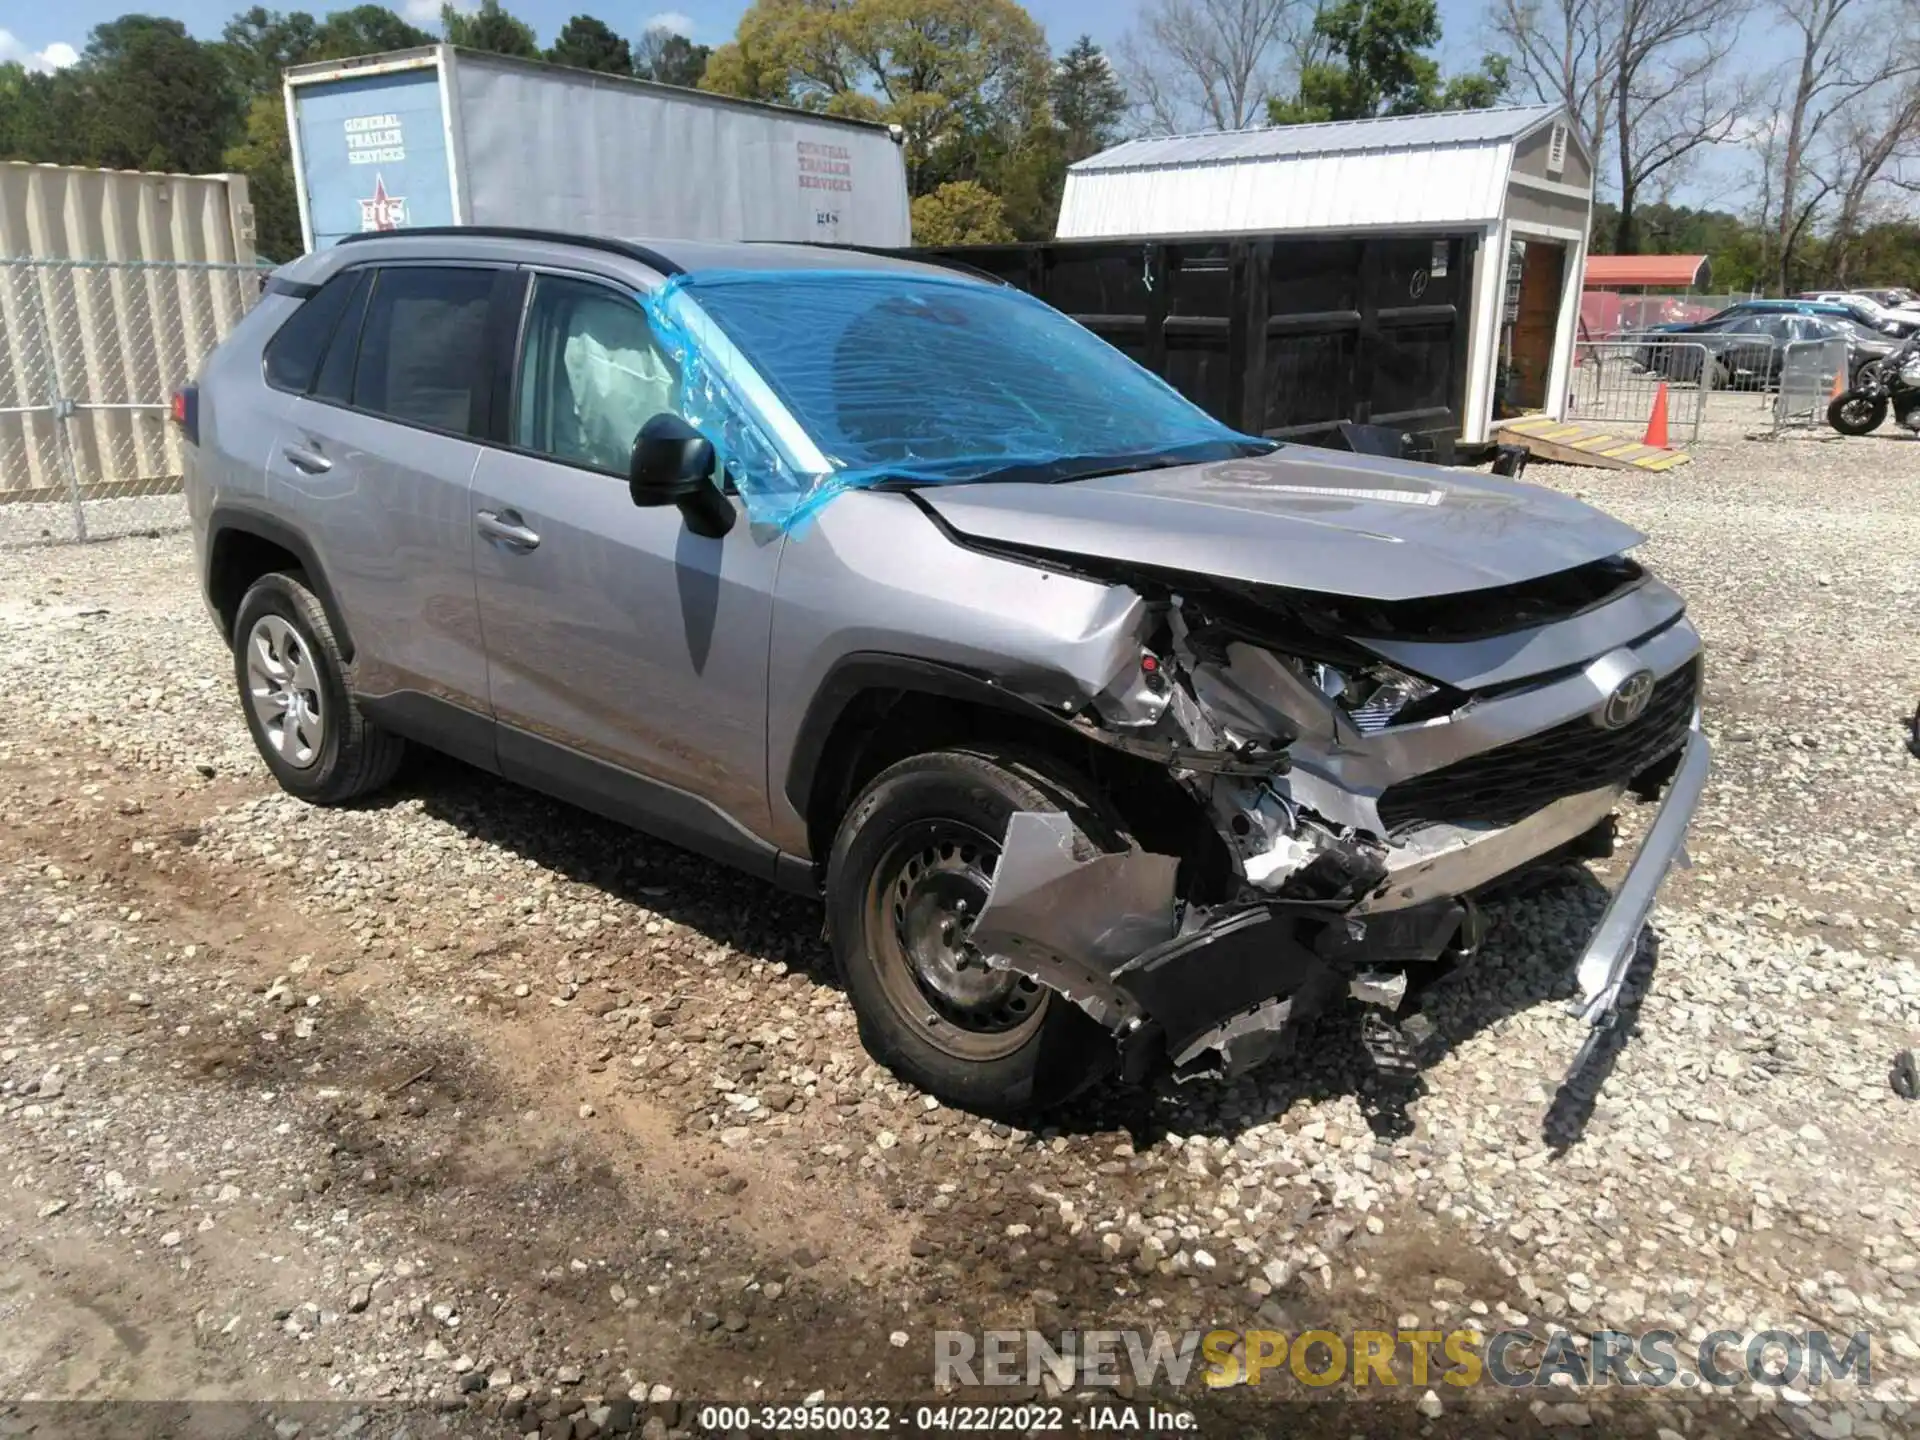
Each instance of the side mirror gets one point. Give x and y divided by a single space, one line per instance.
673 464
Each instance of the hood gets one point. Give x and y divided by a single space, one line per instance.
1301 518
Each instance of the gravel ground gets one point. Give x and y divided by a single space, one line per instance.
462 1097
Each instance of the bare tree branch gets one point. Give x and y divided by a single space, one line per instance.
1646 81
1844 59
1199 64
1875 140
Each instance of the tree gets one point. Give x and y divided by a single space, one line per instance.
265 157
589 44
155 98
1672 96
670 58
961 212
489 28
1842 67
1027 168
953 74
1646 81
42 117
1377 64
1191 64
1877 139
1089 102
260 43
1480 89
364 30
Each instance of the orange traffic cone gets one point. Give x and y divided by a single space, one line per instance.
1656 436
1840 386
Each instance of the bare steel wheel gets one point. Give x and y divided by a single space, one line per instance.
284 689
912 864
923 898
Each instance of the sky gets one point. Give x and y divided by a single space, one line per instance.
53 34
46 36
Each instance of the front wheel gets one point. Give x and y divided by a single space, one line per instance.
911 867
1856 414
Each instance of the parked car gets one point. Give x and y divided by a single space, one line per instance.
1107 735
1870 311
1890 297
1825 309
1744 349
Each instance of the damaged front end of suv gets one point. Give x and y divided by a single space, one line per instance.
1369 759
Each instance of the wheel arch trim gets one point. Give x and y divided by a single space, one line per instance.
869 672
228 519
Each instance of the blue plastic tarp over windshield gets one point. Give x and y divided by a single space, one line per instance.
898 375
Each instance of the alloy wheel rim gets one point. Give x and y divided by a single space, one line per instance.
922 901
283 688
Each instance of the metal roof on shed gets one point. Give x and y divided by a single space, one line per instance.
1343 137
1400 172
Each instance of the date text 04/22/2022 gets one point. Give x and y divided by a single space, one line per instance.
943 1419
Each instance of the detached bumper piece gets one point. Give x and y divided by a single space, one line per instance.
1103 932
1220 987
1609 954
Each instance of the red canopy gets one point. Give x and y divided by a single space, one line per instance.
1614 272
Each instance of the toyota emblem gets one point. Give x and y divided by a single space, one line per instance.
1628 701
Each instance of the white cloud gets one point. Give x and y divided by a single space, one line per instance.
678 21
56 56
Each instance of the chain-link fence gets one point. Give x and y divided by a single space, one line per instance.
1616 382
90 355
1609 314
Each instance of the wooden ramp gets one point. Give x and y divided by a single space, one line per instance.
1570 444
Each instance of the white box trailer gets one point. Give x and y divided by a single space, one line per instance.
444 136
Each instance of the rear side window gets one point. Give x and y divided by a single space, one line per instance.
334 383
293 354
423 346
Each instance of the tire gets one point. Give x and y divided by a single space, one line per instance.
284 653
1853 414
1716 375
992 1042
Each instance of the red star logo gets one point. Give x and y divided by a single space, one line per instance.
383 211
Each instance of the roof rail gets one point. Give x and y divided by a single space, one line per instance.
644 254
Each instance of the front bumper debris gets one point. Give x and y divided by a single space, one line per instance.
1105 932
1603 967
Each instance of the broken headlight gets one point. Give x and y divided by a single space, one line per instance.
1374 697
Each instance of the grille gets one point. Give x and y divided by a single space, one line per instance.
1504 785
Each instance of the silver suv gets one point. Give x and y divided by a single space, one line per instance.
1109 736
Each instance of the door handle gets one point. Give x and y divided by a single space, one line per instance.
311 461
504 528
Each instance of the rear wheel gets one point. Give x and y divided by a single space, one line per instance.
911 868
293 690
1856 414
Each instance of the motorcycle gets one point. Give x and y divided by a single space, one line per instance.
1892 382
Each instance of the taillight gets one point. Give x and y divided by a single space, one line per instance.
186 412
